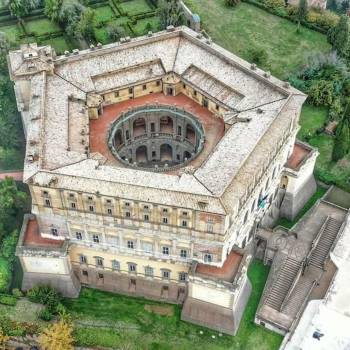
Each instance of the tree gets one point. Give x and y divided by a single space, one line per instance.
52 9
4 47
342 138
86 26
339 36
232 3
70 15
302 11
3 339
58 336
11 201
170 13
20 8
115 32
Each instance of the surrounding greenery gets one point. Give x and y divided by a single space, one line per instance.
57 336
339 37
289 224
20 8
286 50
110 320
342 140
47 296
170 13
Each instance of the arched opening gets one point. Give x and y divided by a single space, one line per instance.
166 125
166 153
118 138
139 127
187 155
141 154
190 133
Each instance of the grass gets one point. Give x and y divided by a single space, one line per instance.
135 7
141 26
118 319
11 159
103 14
313 118
289 224
23 311
12 32
246 27
41 26
59 44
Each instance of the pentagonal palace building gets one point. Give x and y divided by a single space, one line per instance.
150 163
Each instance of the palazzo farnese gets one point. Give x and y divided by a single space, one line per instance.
150 163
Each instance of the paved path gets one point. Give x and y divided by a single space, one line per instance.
17 175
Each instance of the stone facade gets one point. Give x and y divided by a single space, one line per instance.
176 233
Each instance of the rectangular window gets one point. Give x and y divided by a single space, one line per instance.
115 265
182 276
71 195
158 82
132 267
194 92
72 205
78 236
90 198
83 259
153 129
165 210
184 223
149 271
166 274
146 217
47 203
145 207
116 94
45 193
99 262
54 231
165 220
109 211
85 273
184 86
127 204
217 107
184 213
147 247
96 238
144 87
179 130
100 276
131 90
205 103
91 208
127 214
210 225
208 258
108 201
130 244
183 253
165 250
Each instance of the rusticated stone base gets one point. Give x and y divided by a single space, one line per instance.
132 285
68 285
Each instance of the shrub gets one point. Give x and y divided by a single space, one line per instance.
321 92
58 336
45 295
5 275
258 56
275 4
327 19
17 293
8 300
45 314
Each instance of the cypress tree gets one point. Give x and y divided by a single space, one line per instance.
339 36
342 139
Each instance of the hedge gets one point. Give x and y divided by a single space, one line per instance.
5 275
7 299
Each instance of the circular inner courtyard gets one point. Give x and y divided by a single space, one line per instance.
157 137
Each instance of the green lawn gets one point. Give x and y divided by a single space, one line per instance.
41 26
141 26
135 7
59 44
104 13
119 319
313 118
244 27
12 32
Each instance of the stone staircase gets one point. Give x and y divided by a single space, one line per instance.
322 248
282 284
297 297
